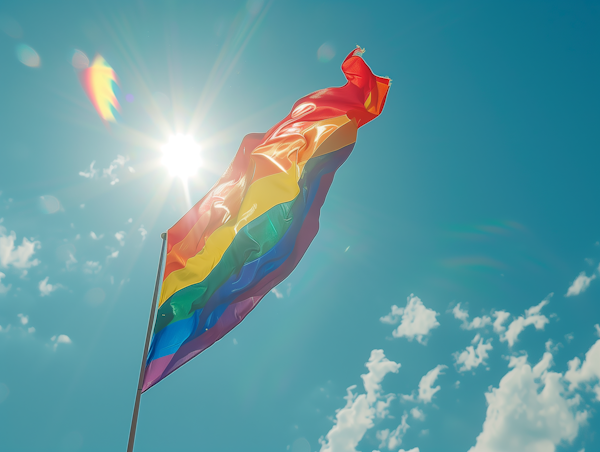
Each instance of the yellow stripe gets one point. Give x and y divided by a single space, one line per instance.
262 195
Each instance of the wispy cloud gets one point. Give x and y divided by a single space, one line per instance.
143 232
277 293
110 172
120 236
94 236
416 320
4 289
580 285
113 255
91 173
426 389
463 316
70 261
392 440
46 288
91 267
532 317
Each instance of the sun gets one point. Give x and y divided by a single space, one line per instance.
181 156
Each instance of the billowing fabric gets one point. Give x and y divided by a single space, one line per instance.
253 227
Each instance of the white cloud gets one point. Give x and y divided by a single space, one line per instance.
24 319
91 173
357 416
276 292
532 317
71 260
143 231
472 357
580 285
113 255
529 411
4 289
91 267
392 440
129 221
19 257
110 172
45 288
120 236
417 320
597 329
501 317
60 339
463 316
95 237
417 414
426 389
586 372
31 330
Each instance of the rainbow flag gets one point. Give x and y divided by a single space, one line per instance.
253 227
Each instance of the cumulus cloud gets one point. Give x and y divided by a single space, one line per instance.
529 410
91 267
392 440
532 317
143 232
89 174
472 357
276 292
463 316
586 372
60 339
416 320
20 256
581 283
46 288
356 417
24 319
426 389
4 289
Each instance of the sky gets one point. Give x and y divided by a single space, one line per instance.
451 299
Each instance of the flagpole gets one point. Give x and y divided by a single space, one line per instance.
138 393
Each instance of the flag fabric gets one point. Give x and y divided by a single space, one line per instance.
253 227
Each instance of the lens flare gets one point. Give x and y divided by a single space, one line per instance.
28 56
181 156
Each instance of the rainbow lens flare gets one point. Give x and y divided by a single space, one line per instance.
100 82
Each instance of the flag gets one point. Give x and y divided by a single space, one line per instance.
253 227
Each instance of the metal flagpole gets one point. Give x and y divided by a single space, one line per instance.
138 393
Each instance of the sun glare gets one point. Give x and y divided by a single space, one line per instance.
181 156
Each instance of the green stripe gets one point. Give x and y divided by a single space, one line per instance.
250 243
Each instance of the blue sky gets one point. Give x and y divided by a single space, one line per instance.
451 298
